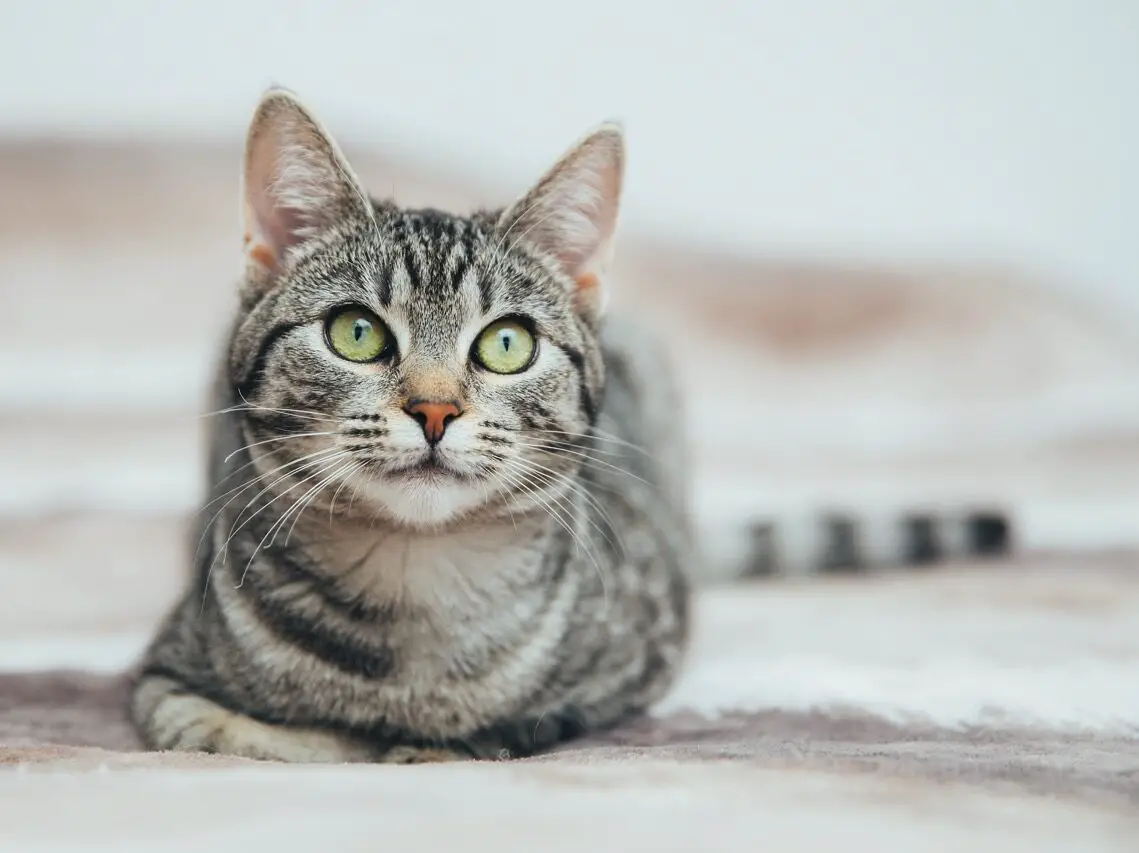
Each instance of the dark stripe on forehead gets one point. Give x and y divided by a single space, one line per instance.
486 298
458 270
432 261
250 381
383 282
398 227
412 267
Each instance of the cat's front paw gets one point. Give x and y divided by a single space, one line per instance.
171 717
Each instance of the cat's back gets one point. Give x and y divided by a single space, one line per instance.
642 418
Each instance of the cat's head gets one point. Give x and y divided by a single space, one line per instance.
423 365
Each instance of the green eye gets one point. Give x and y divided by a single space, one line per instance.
358 335
505 346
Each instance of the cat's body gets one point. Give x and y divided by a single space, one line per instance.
375 582
448 496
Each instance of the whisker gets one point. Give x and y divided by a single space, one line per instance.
253 460
300 414
277 439
360 466
223 551
316 490
233 532
248 484
572 445
552 477
585 457
570 483
579 543
308 412
518 480
321 472
597 432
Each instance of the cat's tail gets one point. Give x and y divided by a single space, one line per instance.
821 543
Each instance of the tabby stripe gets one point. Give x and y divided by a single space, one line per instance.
458 271
186 686
333 647
841 542
252 378
274 422
353 608
588 405
412 269
486 301
384 282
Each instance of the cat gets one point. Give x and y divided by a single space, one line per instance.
448 507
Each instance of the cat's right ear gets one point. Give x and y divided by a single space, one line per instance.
295 184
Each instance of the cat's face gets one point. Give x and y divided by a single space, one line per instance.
412 364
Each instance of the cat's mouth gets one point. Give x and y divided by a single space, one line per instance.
426 490
432 467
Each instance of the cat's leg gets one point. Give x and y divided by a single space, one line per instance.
171 717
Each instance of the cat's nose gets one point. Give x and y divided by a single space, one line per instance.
433 416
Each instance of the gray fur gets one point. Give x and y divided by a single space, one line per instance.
346 608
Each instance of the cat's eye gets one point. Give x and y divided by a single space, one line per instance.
356 334
505 346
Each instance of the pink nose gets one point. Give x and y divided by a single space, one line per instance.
433 417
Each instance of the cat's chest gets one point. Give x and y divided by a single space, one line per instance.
450 603
447 633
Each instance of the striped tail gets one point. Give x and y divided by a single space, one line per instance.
847 542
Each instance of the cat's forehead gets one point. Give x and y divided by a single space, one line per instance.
431 228
427 254
430 264
450 266
435 271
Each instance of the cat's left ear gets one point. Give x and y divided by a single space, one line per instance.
570 215
296 183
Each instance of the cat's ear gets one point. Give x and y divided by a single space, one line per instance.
570 215
296 183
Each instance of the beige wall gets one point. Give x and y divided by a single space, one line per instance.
880 128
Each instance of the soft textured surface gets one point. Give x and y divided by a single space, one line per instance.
75 721
989 703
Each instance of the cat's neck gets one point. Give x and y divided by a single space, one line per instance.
440 570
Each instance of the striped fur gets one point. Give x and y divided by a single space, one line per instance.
362 594
837 542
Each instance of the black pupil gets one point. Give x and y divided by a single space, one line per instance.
507 338
360 328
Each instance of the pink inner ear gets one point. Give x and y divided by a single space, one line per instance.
275 230
287 223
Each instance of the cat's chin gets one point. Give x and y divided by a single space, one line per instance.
422 497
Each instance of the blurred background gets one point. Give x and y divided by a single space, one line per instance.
892 245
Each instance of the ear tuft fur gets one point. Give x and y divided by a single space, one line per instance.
570 214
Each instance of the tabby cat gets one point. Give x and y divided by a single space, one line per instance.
447 512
